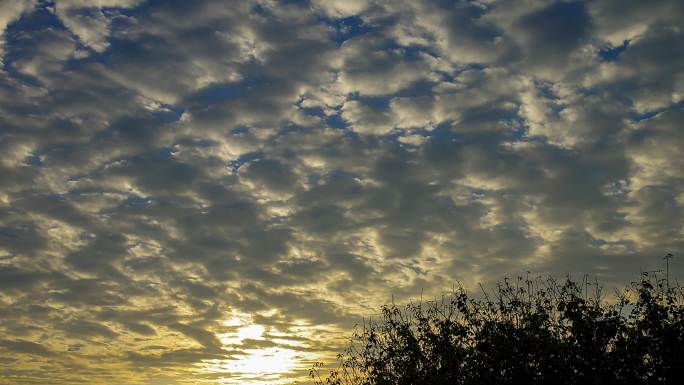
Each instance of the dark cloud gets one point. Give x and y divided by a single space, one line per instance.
84 329
271 174
26 347
15 278
551 34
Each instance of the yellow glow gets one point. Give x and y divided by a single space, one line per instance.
272 365
252 331
268 366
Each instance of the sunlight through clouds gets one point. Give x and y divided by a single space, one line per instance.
265 365
258 366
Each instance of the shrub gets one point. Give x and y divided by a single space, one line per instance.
527 331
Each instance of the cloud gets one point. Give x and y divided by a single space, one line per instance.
87 20
551 34
175 172
27 347
337 8
10 12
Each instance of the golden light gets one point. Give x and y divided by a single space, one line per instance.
269 366
278 363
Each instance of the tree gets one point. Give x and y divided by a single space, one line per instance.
527 331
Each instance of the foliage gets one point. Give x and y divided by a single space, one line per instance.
528 331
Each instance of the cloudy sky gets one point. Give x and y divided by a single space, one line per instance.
214 192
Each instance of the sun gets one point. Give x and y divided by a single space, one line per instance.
269 366
275 364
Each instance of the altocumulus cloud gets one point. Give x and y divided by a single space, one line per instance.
172 172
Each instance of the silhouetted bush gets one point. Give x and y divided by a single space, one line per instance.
526 332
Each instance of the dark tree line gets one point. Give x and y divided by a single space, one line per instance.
537 331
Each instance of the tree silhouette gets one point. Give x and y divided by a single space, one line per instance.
528 331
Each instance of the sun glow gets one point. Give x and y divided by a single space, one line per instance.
252 332
271 366
258 355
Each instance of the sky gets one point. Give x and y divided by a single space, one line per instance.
216 192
